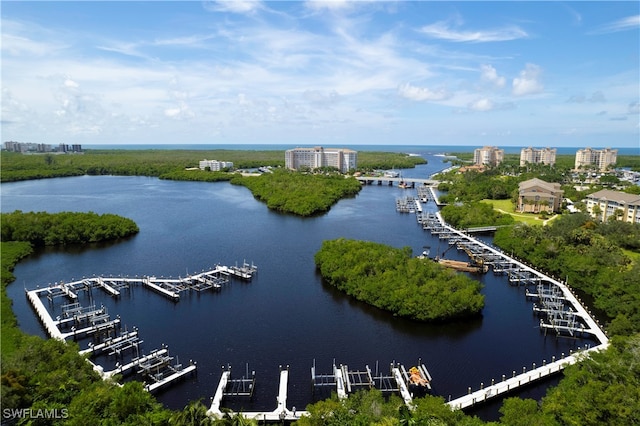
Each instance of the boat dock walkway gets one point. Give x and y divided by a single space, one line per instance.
135 362
279 414
169 287
523 274
346 381
561 311
506 385
79 321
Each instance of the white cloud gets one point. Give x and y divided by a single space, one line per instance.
490 75
234 6
623 24
416 93
485 104
329 4
528 82
279 74
442 30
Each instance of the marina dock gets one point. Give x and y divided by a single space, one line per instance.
345 381
79 321
279 414
560 310
506 385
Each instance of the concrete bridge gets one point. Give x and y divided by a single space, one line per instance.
368 180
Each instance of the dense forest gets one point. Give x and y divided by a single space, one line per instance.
475 213
299 193
168 164
393 280
46 229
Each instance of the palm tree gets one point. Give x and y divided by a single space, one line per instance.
194 414
235 419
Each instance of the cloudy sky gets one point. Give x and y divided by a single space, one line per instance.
560 74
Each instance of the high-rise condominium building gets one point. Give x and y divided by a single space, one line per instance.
340 158
538 156
488 155
601 158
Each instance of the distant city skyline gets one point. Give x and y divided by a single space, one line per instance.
539 74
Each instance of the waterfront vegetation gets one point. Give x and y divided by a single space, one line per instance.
599 259
47 229
476 213
590 256
302 194
167 164
299 193
393 280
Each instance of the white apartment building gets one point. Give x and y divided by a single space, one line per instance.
537 156
341 158
488 155
625 207
601 158
215 166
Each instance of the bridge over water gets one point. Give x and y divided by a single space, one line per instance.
397 180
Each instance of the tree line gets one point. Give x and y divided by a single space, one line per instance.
475 213
170 164
46 229
391 279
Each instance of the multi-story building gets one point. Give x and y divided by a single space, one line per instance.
31 147
536 195
619 205
488 155
341 158
537 156
215 165
600 158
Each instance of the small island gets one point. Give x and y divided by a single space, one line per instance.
299 193
391 279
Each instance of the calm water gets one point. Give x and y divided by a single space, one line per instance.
285 316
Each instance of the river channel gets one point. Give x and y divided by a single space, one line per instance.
285 316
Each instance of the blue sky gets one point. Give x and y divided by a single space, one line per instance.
558 74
